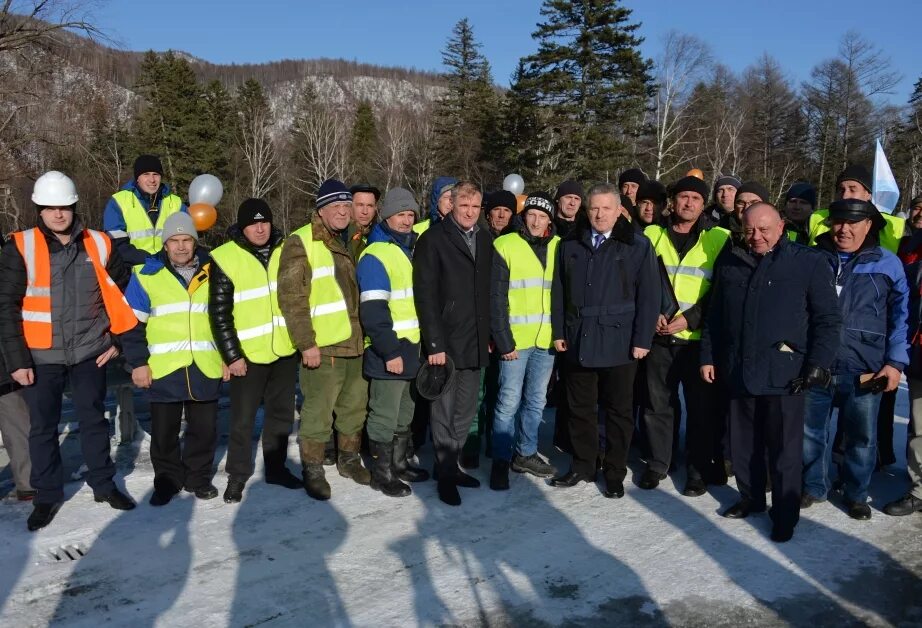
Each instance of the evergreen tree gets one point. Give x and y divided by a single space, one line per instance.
363 144
590 74
217 132
466 115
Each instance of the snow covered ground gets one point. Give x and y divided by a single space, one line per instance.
533 556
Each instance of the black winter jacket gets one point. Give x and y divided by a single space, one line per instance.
605 301
759 303
221 296
77 334
452 294
499 290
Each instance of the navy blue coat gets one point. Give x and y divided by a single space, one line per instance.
874 303
758 303
605 301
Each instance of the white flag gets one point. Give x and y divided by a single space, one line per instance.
885 193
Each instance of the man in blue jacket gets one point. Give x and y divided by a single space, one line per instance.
605 299
391 361
771 331
873 351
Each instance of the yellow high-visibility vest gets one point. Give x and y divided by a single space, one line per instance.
399 298
141 233
889 236
329 311
529 290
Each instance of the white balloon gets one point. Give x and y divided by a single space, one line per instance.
514 183
205 188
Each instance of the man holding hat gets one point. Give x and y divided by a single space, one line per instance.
873 298
799 205
135 215
365 206
391 360
520 323
173 356
61 302
251 335
451 286
319 297
724 195
688 246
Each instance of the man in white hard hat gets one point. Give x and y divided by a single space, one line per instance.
60 303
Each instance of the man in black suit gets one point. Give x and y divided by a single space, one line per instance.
451 286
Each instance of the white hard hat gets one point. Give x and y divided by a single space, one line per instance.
54 189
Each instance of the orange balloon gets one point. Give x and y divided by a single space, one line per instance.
203 216
695 172
520 202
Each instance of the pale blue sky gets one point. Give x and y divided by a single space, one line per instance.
799 33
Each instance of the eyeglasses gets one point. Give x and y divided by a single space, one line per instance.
741 204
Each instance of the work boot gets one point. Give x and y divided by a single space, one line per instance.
349 460
534 464
858 510
42 514
499 475
204 492
315 481
116 499
164 491
405 471
383 475
234 491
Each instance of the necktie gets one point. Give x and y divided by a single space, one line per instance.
598 239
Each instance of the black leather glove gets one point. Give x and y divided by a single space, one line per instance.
816 377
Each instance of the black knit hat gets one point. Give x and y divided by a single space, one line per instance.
332 191
652 190
690 184
501 198
540 201
855 172
632 175
569 187
147 163
253 210
366 187
803 191
754 187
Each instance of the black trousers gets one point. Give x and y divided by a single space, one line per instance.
611 390
562 410
88 393
273 386
189 466
451 418
668 367
775 423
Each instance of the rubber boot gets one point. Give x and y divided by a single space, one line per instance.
383 475
405 471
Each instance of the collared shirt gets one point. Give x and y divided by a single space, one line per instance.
597 243
470 236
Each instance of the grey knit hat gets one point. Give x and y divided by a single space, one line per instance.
179 223
398 200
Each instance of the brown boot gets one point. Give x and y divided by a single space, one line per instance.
315 481
349 460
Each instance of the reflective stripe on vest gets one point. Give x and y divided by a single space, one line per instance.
178 330
399 298
141 233
691 276
258 320
36 303
529 290
329 312
889 237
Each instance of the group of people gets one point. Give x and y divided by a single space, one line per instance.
611 304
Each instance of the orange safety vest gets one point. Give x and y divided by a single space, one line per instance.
36 304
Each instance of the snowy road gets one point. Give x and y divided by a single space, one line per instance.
533 556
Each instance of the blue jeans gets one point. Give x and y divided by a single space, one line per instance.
858 424
522 392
